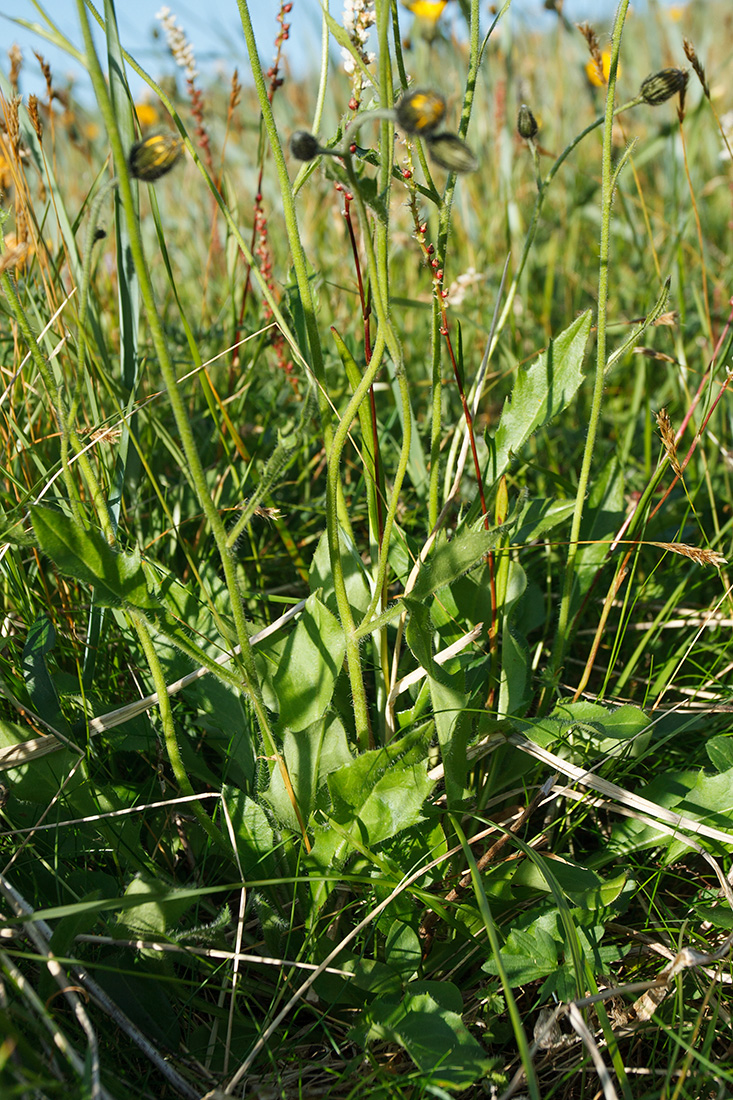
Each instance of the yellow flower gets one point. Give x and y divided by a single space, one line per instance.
430 10
427 13
146 114
599 77
676 12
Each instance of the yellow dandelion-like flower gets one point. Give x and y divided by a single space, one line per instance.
598 76
427 15
676 12
429 10
146 114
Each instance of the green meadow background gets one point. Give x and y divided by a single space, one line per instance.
365 643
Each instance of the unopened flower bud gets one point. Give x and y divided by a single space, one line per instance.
155 155
661 86
420 111
526 123
304 145
451 152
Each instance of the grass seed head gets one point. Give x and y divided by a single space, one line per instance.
598 68
34 116
666 433
16 64
691 55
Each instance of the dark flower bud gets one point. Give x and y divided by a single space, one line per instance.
661 86
304 146
526 123
420 111
451 152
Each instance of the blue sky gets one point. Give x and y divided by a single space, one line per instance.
213 28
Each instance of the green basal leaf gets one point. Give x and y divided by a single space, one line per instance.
590 729
514 677
434 1036
451 559
448 697
320 577
403 949
537 517
41 688
540 393
373 798
157 912
84 554
309 666
720 751
311 755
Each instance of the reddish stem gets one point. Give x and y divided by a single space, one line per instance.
366 310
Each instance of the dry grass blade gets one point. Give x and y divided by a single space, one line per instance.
580 1026
613 791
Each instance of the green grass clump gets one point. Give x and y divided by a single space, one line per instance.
365 640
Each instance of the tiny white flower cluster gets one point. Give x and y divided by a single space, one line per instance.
358 17
726 121
178 44
459 287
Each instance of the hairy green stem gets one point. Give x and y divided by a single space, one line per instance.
489 923
608 178
333 482
83 300
387 334
444 223
169 734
